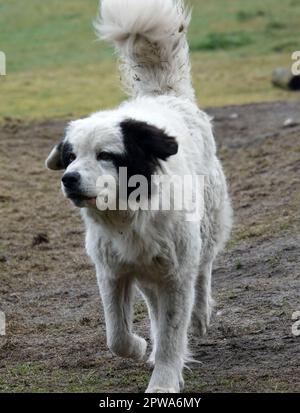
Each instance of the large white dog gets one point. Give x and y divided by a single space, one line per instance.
160 130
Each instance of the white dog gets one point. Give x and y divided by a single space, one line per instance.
160 130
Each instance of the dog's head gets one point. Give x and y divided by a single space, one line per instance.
99 146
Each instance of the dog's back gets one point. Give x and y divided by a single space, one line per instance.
150 37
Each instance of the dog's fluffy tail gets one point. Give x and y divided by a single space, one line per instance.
150 37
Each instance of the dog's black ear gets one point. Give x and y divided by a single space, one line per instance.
54 160
154 142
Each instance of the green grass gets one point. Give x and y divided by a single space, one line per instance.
35 377
244 16
55 68
221 41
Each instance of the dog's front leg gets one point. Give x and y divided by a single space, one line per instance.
175 307
117 298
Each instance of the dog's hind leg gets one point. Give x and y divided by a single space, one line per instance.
203 300
117 298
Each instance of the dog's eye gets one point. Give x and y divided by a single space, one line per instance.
72 158
104 156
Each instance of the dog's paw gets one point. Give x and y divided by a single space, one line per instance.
200 324
132 347
165 379
140 348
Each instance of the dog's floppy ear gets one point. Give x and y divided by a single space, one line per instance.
154 142
54 160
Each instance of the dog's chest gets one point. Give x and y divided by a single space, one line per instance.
131 253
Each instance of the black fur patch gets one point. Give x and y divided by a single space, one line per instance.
154 142
145 145
66 152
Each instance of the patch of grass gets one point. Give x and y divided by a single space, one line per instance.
223 41
244 15
275 25
285 46
274 261
140 311
55 68
35 378
22 378
219 81
24 370
239 265
88 382
274 224
285 226
251 232
242 382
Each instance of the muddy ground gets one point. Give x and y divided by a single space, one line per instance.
55 331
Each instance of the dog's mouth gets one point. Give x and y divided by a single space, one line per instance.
81 200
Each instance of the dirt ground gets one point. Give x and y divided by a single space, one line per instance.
55 338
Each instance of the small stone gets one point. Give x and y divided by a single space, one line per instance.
3 258
290 123
40 239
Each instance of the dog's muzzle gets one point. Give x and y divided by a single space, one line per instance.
71 183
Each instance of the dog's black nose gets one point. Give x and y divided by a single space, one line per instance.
71 180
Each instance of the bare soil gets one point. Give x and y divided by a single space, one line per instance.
55 339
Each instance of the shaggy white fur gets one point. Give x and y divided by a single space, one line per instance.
167 258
